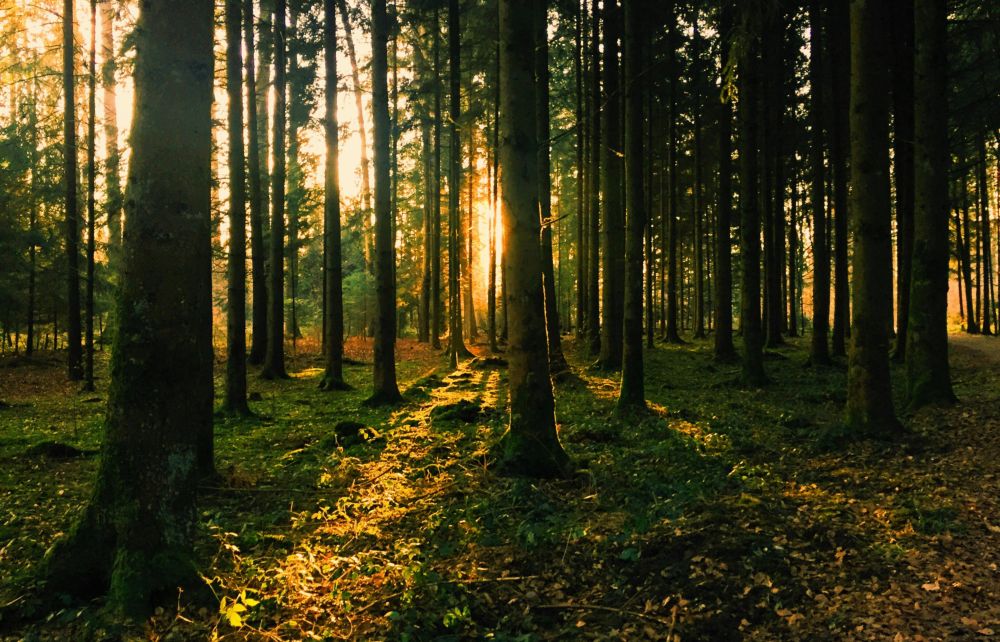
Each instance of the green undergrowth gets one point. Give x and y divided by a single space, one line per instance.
721 513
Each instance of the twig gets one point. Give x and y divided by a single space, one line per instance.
610 609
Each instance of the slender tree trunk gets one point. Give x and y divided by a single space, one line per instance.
236 338
112 180
333 377
456 345
724 348
557 362
869 393
672 335
134 538
699 213
32 217
88 366
594 228
840 65
928 378
274 357
903 136
427 214
385 390
793 258
581 288
293 197
750 322
987 244
632 395
494 199
531 446
613 212
75 361
257 151
470 306
972 322
819 351
436 303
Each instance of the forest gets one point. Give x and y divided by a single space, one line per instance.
511 320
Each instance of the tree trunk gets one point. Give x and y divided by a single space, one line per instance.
750 322
594 220
869 393
32 217
613 212
494 201
385 390
557 362
456 346
257 116
632 394
112 180
333 377
436 303
819 351
274 357
699 213
903 135
928 378
75 355
986 244
971 319
580 123
134 538
531 446
88 366
236 338
840 65
724 348
672 335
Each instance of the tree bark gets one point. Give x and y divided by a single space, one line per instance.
531 445
436 303
819 350
385 389
903 137
594 219
333 377
632 396
258 199
88 366
557 362
724 349
840 65
75 354
112 169
134 538
672 334
456 345
928 377
236 338
274 357
869 393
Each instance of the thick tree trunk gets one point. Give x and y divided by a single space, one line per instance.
274 357
75 354
531 445
928 378
333 377
819 351
384 390
869 393
557 362
613 211
632 396
236 338
134 538
724 349
750 321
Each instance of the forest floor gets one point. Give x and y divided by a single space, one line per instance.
723 514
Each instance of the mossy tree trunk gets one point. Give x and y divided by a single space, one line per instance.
385 389
819 347
274 357
869 393
133 540
724 350
613 210
557 361
531 445
632 396
928 378
236 338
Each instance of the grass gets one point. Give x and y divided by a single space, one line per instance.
720 514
